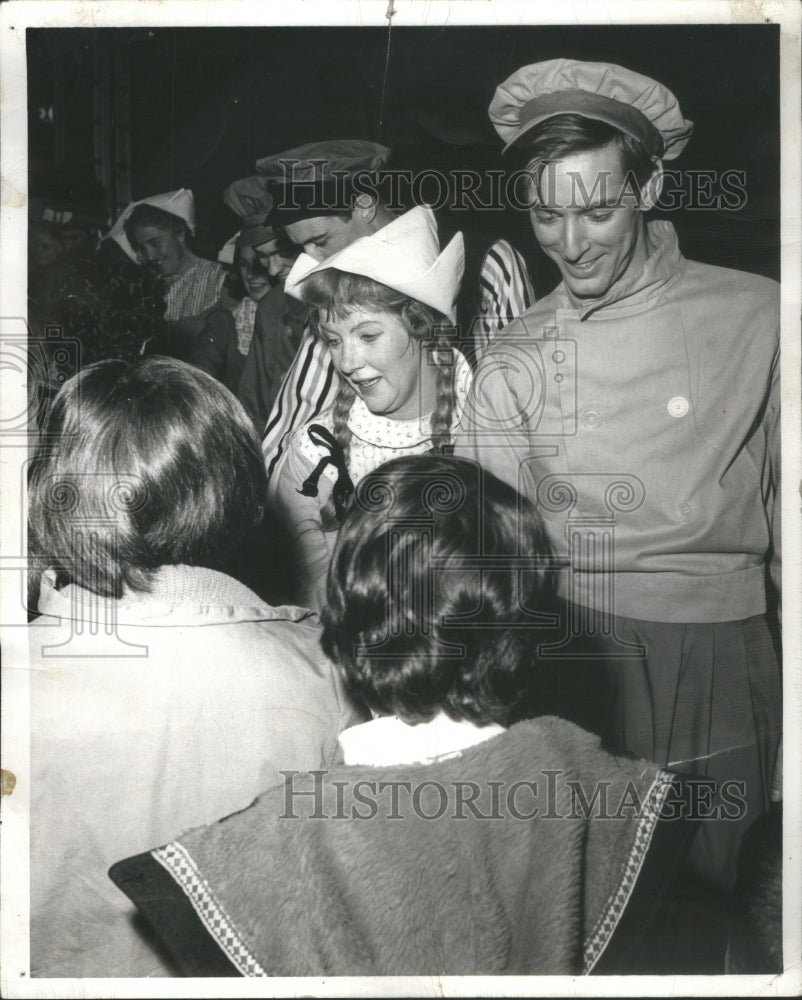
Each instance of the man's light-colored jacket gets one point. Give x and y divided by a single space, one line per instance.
646 428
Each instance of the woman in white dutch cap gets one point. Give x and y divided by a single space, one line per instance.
157 231
381 306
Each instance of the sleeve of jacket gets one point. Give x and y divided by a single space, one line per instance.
771 424
215 350
254 386
300 516
309 386
505 292
494 429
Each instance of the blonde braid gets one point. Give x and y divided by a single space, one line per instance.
340 410
443 413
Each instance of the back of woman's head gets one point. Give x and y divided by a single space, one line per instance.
439 576
143 465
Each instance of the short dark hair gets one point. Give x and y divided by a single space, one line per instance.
567 134
415 620
156 450
149 215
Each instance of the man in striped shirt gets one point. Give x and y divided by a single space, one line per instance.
314 200
505 291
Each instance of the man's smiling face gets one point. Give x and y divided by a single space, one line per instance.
587 220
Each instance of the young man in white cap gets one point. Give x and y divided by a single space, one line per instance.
638 405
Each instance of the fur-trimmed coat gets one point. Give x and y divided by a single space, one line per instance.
518 855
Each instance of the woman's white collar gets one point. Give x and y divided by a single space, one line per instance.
388 740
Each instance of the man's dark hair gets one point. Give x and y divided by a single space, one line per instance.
565 135
149 215
436 587
143 465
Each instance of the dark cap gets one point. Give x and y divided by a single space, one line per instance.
316 179
249 198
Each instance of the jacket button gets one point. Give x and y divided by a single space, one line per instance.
685 510
591 418
558 357
678 406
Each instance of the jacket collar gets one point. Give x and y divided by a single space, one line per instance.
179 595
664 265
388 740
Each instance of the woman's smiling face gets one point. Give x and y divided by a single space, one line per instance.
161 249
374 352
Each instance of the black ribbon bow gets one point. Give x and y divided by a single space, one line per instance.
344 487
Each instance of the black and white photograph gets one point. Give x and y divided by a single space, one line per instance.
400 460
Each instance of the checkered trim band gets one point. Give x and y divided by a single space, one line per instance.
180 865
611 914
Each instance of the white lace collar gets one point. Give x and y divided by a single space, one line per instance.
387 432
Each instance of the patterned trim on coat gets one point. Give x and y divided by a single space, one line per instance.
182 868
611 914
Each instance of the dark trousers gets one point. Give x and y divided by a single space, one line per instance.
700 699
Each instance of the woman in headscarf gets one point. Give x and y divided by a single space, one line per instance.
157 232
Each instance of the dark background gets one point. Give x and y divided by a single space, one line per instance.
138 111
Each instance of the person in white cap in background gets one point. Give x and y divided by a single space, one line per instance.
158 229
380 308
100 298
672 437
261 261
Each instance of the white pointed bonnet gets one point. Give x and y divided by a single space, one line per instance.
404 255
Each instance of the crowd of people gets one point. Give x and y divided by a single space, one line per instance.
369 644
